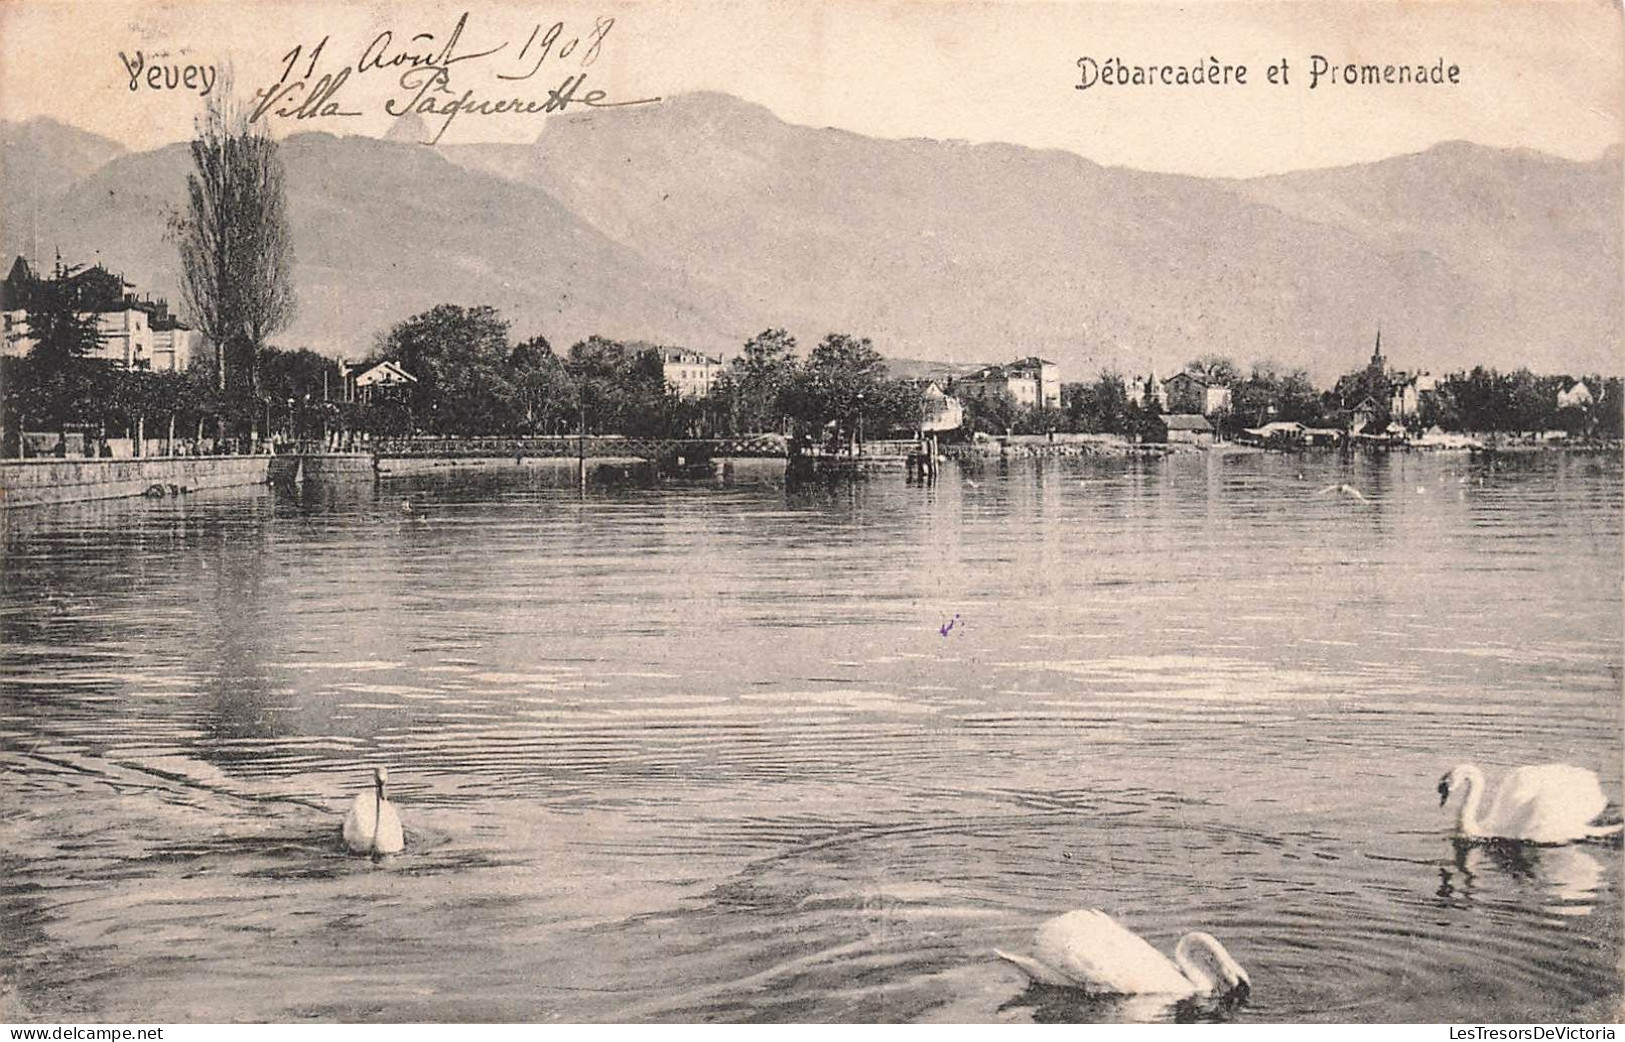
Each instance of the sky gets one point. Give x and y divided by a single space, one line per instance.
1540 74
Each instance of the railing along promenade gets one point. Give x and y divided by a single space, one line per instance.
592 446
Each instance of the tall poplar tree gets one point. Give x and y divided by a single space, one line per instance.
235 242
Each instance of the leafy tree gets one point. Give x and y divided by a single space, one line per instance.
898 406
58 382
1296 398
307 380
1440 409
621 388
989 414
1143 422
1272 392
1488 400
1533 401
544 395
1100 407
297 374
1609 410
459 357
844 388
1475 396
724 404
1252 403
63 330
842 381
757 379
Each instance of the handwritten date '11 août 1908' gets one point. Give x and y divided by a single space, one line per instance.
425 82
382 53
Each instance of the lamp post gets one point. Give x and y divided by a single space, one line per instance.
860 423
581 433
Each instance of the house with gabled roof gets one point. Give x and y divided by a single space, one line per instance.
360 386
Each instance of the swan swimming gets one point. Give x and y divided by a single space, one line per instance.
1090 950
1552 803
372 826
1347 490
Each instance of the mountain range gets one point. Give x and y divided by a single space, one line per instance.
705 219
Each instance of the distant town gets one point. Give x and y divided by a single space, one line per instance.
94 366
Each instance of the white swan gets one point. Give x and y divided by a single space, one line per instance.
372 826
1090 950
1552 803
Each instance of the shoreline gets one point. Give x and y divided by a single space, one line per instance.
39 482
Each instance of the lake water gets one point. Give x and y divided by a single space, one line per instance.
734 752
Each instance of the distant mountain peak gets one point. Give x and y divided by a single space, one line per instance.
689 112
409 129
47 125
47 134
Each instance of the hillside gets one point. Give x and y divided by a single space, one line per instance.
706 219
383 230
39 160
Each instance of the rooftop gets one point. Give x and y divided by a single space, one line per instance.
686 356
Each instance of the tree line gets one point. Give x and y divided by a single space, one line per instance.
1481 400
469 377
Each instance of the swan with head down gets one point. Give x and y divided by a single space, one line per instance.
1552 803
1091 951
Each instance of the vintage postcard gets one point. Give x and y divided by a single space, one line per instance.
811 511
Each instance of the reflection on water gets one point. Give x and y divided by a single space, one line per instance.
1567 879
713 751
1051 1005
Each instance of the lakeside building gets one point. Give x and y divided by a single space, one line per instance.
133 332
691 374
996 381
1195 393
1408 392
1365 414
1188 428
1578 396
360 385
943 412
1028 382
1048 376
1289 434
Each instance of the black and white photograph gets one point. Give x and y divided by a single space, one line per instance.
812 512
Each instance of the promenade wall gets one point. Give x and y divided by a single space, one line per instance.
34 482
607 446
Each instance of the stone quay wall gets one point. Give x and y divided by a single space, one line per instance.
34 482
30 482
